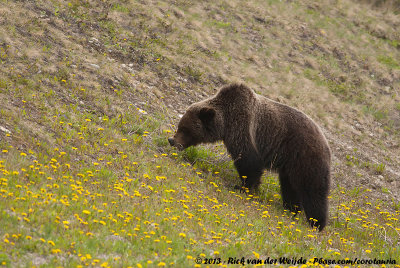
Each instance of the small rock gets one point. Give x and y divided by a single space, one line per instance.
5 130
94 65
386 90
93 39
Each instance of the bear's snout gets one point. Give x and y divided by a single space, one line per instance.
171 141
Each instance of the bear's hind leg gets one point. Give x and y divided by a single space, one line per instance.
315 206
290 197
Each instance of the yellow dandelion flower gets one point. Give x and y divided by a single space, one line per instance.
182 235
256 255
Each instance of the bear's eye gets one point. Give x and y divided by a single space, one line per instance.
185 131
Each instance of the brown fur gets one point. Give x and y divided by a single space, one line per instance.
260 133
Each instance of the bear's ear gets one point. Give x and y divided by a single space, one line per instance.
206 114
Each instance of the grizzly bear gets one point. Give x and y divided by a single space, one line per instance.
263 134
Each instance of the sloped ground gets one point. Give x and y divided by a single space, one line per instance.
89 91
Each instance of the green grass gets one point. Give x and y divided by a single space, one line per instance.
123 197
389 61
219 24
119 7
378 114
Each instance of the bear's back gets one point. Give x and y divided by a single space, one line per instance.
284 129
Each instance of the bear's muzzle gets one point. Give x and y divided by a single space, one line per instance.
171 141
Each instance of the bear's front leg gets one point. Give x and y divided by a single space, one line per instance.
250 169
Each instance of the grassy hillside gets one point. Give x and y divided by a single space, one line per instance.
90 91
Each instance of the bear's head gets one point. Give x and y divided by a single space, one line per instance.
200 124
